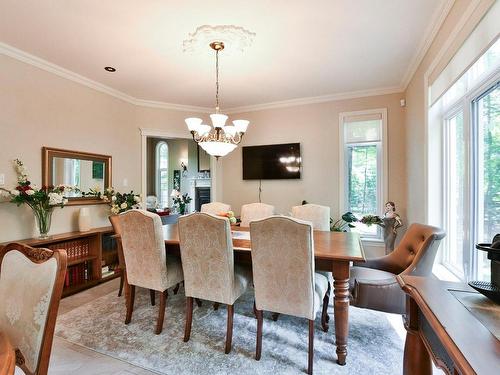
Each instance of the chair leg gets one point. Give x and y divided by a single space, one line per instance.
254 309
161 313
275 316
324 314
260 320
189 318
176 289
198 302
130 303
216 306
229 332
122 278
152 295
311 348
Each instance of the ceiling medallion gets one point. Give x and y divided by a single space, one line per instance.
235 38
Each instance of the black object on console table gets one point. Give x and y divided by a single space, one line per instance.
490 289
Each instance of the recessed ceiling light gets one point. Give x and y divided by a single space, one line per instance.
110 69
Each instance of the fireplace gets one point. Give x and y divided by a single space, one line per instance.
202 196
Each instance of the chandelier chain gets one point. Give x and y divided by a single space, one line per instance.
217 81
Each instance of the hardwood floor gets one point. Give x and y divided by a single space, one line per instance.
69 358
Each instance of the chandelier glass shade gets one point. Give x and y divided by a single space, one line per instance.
218 139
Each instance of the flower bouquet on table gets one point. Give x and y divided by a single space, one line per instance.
41 200
230 216
180 200
120 202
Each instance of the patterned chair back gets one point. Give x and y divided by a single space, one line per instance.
255 211
207 257
31 283
318 215
283 266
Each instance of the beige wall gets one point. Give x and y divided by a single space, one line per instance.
439 53
316 127
39 109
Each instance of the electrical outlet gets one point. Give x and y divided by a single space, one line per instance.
125 182
2 179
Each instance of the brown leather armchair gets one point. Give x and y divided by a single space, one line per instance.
373 284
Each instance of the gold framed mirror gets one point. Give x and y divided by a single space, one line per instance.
84 170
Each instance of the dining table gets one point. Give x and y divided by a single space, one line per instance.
333 252
7 356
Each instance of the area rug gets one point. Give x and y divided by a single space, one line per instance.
374 346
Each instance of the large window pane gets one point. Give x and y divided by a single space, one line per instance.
455 196
488 174
362 183
162 174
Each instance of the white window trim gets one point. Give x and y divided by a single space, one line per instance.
446 117
383 176
464 103
158 170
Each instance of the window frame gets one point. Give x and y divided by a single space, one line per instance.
485 89
158 172
453 111
382 165
466 104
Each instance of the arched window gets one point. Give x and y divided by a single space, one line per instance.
162 173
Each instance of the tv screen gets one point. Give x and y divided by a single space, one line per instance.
272 162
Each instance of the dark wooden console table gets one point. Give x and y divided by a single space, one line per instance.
452 324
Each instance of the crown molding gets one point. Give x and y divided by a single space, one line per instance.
426 42
316 99
75 77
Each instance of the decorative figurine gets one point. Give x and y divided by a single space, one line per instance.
390 222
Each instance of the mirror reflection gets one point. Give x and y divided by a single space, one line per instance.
87 175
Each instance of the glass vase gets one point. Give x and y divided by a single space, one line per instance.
43 220
182 208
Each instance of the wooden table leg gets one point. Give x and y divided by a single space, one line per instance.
416 358
341 308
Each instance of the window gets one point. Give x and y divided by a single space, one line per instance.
363 166
469 113
454 187
486 173
162 173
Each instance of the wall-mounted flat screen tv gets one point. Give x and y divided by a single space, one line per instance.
272 162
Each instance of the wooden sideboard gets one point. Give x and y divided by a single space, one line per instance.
452 324
87 253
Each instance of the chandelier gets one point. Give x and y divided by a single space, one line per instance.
219 139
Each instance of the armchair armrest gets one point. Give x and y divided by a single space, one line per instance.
385 263
382 295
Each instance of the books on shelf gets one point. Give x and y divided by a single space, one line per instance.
75 249
78 274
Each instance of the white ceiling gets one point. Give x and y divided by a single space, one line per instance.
302 48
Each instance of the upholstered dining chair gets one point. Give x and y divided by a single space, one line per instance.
318 215
283 273
255 211
373 284
146 262
215 208
31 284
209 270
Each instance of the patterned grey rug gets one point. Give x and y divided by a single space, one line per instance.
374 346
